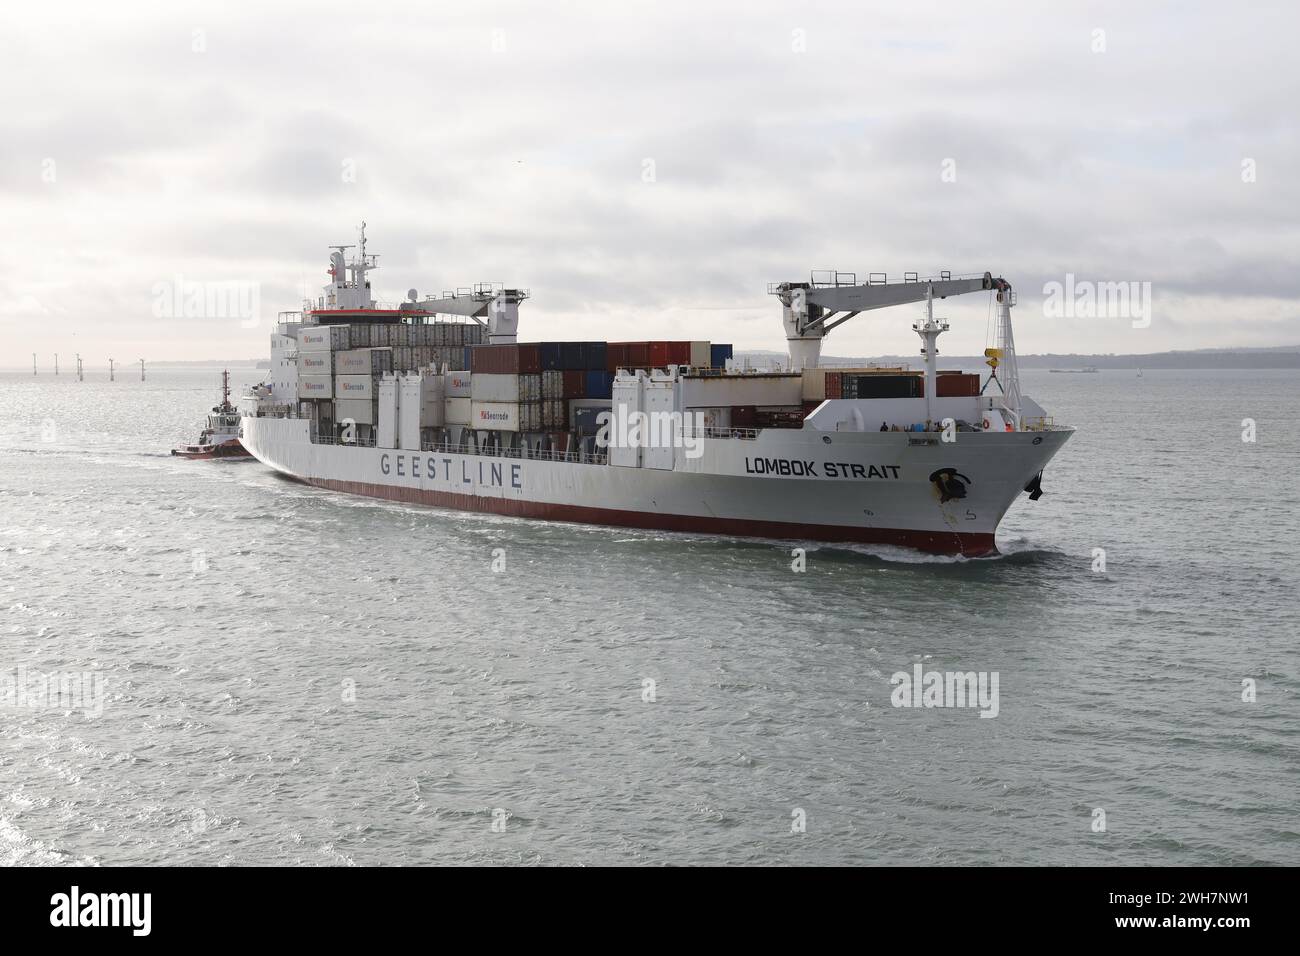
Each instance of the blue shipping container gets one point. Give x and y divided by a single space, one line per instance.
595 355
552 354
573 356
718 355
587 418
600 385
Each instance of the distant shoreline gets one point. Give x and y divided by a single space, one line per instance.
1279 357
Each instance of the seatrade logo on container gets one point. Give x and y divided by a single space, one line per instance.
959 689
683 430
179 298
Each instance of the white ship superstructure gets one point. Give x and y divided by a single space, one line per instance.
433 401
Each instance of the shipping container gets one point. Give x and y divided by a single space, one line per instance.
552 382
360 410
555 415
316 363
315 386
550 356
638 355
598 384
586 420
594 355
834 384
495 416
573 356
490 387
957 386
459 384
514 359
457 410
530 359
718 355
329 338
881 386
363 362
433 407
615 356
575 384
700 355
717 391
354 386
584 415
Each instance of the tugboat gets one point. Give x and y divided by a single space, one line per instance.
220 439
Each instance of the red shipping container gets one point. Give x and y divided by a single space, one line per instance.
679 353
575 384
658 355
530 358
615 356
957 386
833 384
494 359
638 354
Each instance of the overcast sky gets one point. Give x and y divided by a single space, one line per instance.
645 169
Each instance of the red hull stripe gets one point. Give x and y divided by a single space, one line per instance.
953 542
343 312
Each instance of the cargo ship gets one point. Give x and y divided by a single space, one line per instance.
434 401
220 436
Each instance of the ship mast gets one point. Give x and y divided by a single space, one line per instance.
930 330
1007 347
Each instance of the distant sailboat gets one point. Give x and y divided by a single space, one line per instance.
1139 373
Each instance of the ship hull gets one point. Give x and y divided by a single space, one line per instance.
796 484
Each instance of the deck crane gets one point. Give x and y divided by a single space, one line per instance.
487 303
812 309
